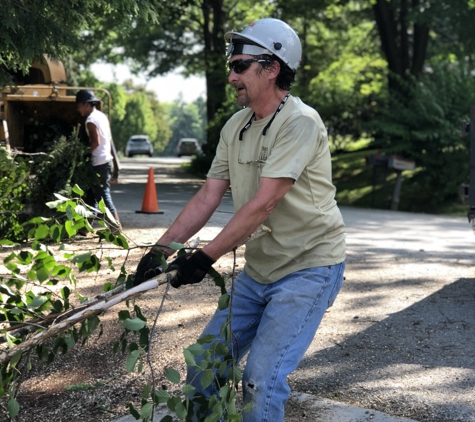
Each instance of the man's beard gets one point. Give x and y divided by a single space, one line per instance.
243 100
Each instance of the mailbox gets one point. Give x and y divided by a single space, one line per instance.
398 163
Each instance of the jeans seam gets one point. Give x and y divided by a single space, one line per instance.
284 353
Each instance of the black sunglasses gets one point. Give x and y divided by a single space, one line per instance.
241 65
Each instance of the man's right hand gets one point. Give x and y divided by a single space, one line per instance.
149 267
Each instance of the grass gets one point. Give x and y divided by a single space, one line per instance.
361 185
364 186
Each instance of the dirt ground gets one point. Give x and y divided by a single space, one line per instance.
399 339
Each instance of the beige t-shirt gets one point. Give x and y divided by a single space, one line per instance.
307 227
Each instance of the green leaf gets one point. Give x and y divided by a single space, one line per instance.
207 377
82 211
180 411
65 292
123 315
162 396
235 374
208 338
176 246
69 212
13 408
223 301
247 407
146 391
189 358
172 375
69 339
121 241
173 402
37 302
76 189
37 220
25 258
133 411
41 232
196 349
187 389
57 203
68 225
15 358
146 411
135 324
102 207
222 349
132 360
167 418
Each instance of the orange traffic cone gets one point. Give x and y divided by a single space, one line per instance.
150 203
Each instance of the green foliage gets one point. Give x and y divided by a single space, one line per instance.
32 29
37 291
14 193
67 163
186 121
425 126
214 365
143 115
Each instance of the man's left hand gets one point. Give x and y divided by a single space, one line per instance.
191 268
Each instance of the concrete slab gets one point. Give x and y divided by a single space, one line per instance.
329 411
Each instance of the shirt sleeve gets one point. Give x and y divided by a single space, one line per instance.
220 166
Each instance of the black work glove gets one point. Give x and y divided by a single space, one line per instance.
149 267
191 268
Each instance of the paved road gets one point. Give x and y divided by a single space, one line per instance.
434 253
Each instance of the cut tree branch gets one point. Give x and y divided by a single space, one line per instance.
99 305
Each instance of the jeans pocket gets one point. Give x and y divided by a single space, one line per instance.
337 283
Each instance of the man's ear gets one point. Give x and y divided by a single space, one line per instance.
274 69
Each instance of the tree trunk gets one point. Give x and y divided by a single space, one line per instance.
405 53
215 56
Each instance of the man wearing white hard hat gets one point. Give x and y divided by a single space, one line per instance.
275 155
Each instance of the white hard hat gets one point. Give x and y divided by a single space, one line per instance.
267 36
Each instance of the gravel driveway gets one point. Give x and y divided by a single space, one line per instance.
400 338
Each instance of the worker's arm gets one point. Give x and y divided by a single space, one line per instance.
191 268
196 213
93 132
249 216
192 218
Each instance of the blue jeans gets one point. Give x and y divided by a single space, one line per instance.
102 188
275 323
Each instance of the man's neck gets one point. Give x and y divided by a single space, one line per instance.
268 105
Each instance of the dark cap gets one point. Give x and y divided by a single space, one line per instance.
86 96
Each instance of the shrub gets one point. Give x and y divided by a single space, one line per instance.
424 125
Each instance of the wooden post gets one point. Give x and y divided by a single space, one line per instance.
397 191
471 195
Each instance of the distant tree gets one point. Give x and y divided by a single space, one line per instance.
189 36
31 29
186 121
143 116
413 31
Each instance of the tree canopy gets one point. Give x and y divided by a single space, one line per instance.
31 29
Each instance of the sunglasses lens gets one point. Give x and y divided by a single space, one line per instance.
239 66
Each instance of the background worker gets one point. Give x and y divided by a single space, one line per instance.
100 137
275 154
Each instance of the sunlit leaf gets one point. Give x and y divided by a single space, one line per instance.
135 324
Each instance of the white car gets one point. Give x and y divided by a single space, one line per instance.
188 146
138 144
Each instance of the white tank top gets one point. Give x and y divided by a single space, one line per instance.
102 154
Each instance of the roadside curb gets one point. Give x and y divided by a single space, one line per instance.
330 411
